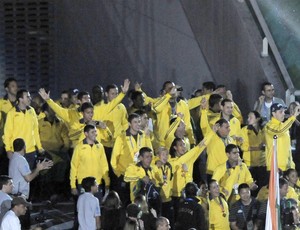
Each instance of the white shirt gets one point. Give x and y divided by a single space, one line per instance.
10 221
88 208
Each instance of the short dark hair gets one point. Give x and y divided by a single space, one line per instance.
282 182
20 93
86 105
191 189
222 121
172 150
265 84
165 84
64 92
230 147
18 144
87 128
214 99
4 179
140 112
8 81
135 94
243 186
133 116
81 94
109 87
87 183
144 150
225 100
209 85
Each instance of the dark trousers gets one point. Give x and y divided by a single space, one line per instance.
167 210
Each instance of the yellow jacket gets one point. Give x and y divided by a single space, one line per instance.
164 115
284 154
125 149
227 176
114 116
68 115
170 135
217 220
216 147
54 136
87 161
135 172
252 139
170 176
22 125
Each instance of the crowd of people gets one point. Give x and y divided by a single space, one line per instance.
159 163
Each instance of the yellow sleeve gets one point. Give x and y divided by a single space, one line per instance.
204 125
194 102
75 161
187 121
64 136
195 152
237 113
116 152
63 113
8 131
248 176
219 173
125 124
36 131
104 166
161 103
280 129
244 134
132 173
169 137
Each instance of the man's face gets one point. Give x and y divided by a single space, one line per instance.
279 114
8 187
26 99
74 99
146 159
165 225
293 177
234 155
252 119
12 88
112 94
91 134
135 124
268 91
94 188
227 108
21 209
140 101
180 147
85 98
224 130
64 99
88 114
245 194
168 87
284 190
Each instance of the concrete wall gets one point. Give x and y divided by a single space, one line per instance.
101 42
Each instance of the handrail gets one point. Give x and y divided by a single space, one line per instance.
272 44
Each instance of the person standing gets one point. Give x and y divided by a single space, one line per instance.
88 205
277 127
21 122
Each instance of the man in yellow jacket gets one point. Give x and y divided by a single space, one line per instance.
21 122
126 151
89 160
277 127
